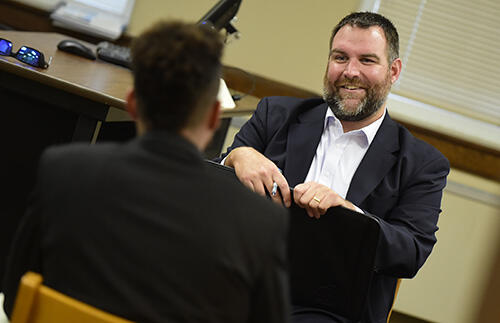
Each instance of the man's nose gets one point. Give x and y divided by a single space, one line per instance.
352 69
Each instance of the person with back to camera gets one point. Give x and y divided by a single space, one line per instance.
345 150
144 229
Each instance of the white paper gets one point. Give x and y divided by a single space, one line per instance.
224 96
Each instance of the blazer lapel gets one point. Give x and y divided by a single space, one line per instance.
377 161
302 141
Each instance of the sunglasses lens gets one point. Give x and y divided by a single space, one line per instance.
29 56
5 47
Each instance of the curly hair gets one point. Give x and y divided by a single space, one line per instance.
176 69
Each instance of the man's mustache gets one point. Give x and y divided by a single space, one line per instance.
351 83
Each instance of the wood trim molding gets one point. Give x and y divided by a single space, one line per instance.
463 155
259 86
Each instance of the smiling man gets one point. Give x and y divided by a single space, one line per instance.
345 150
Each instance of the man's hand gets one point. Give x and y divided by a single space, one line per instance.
259 173
317 198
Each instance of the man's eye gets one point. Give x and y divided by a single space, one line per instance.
339 58
367 60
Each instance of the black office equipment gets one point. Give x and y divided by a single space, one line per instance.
116 54
75 47
331 259
220 15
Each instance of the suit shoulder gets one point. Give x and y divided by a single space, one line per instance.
418 148
77 153
282 108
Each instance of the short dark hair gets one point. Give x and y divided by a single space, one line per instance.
369 19
176 67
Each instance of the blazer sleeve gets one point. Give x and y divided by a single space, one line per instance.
408 230
258 130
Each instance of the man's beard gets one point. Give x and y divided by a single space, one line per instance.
374 98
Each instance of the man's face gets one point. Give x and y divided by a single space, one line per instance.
358 77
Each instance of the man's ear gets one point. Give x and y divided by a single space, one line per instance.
396 69
132 104
213 121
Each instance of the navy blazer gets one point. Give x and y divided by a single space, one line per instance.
400 181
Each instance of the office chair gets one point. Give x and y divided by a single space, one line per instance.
394 300
37 303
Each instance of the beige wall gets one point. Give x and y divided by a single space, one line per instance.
450 285
287 41
283 40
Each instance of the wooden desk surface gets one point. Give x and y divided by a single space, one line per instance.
96 80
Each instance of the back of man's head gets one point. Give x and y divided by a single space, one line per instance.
176 69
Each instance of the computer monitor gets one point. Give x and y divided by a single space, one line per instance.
220 15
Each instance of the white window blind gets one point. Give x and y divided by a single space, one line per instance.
451 53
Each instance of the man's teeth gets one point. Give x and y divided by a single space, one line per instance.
349 87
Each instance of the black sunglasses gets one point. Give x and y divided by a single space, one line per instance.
25 54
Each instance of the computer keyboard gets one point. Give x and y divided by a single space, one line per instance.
112 53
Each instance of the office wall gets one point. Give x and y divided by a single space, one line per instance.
282 40
450 286
287 41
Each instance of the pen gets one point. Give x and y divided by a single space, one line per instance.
275 189
275 185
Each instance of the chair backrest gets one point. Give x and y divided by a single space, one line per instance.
337 276
394 300
36 303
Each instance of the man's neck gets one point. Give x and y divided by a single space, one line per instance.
355 125
196 136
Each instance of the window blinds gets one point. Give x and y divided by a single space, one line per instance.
451 53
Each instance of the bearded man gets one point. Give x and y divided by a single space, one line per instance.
345 150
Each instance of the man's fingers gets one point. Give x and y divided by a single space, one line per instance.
312 212
259 174
259 187
284 190
249 184
312 197
314 205
298 192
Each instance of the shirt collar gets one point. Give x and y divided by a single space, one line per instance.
369 131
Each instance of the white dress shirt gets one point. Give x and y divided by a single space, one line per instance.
339 154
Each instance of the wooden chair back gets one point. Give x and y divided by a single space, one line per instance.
36 303
394 300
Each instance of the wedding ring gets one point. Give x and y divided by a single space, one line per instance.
316 199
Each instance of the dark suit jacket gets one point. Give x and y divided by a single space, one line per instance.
400 181
145 231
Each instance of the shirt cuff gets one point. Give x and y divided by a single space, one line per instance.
359 210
